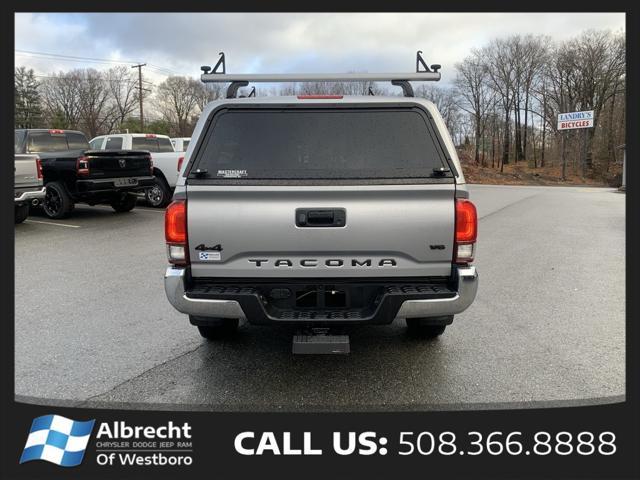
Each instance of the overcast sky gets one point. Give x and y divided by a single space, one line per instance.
279 42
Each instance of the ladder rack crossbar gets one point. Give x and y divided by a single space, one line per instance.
319 77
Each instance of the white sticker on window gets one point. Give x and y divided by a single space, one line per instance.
232 173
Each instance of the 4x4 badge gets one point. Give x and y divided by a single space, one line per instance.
203 247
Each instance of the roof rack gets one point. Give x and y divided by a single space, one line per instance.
218 74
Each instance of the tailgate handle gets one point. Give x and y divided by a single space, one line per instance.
311 217
320 216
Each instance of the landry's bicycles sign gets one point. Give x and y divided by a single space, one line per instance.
572 120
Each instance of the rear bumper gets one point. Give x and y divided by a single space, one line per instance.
30 195
245 303
102 185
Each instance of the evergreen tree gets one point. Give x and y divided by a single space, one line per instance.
28 108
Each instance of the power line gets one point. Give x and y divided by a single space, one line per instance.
71 58
146 82
74 58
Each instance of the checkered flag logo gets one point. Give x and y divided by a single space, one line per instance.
57 440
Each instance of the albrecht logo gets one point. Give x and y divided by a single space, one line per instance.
58 440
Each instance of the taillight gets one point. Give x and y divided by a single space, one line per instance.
466 231
82 166
39 168
180 160
175 232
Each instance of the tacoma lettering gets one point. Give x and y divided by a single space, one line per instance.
331 262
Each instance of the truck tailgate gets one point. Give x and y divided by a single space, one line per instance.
118 163
389 231
26 171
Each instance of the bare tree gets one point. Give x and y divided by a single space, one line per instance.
96 108
61 100
208 92
177 100
533 59
501 71
444 98
473 95
122 85
600 57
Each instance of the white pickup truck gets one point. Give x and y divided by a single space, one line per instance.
165 158
180 144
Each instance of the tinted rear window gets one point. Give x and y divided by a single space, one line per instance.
153 144
114 143
18 142
55 142
77 141
319 144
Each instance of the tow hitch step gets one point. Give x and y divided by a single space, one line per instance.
319 341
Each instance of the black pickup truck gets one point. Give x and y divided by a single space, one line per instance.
73 173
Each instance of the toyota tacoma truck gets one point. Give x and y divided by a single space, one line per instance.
165 160
73 173
28 188
321 211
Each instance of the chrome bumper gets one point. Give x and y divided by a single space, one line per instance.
467 278
175 290
31 195
467 287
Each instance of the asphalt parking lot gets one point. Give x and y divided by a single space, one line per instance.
93 326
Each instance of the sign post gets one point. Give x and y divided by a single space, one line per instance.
573 121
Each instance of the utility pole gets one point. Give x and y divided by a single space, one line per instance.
139 67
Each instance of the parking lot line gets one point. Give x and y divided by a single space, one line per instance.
146 209
157 210
53 223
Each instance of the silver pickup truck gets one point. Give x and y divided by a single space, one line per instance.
321 211
28 187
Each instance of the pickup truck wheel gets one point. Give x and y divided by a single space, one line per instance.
57 201
22 212
215 328
159 195
124 203
428 327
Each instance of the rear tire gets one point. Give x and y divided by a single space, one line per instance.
22 212
430 327
124 203
215 328
159 195
57 202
